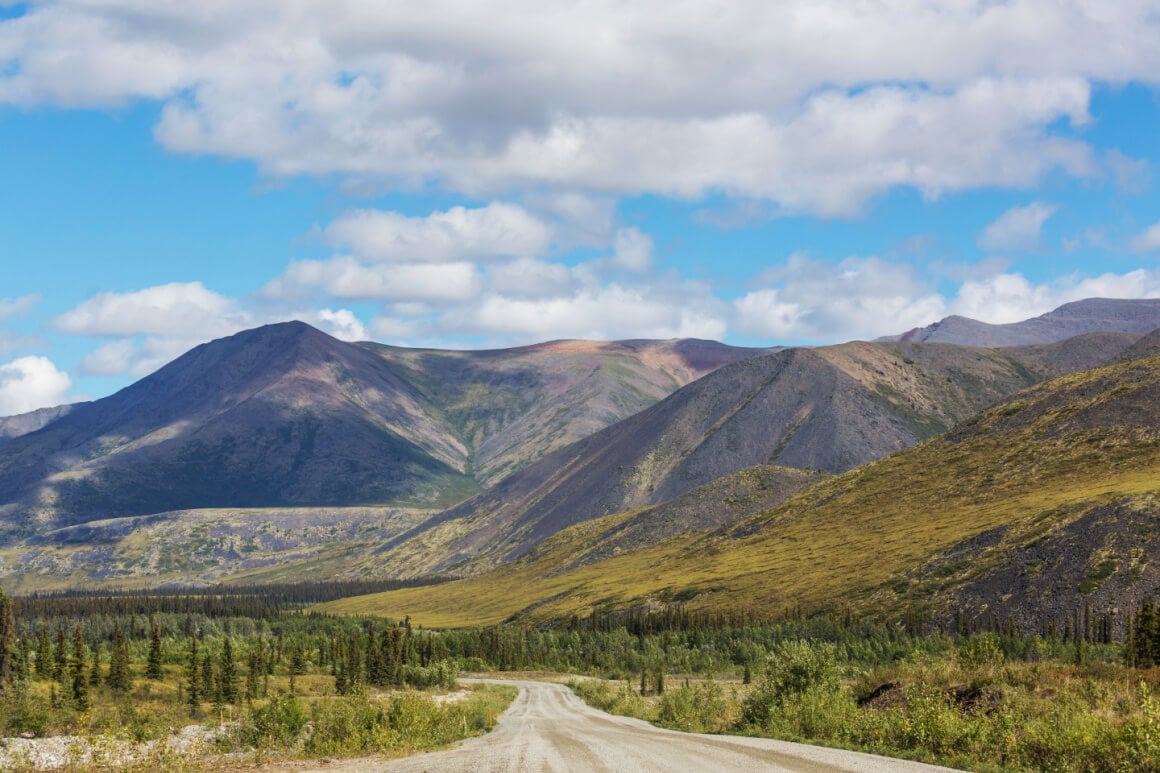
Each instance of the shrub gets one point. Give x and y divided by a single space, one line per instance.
278 723
791 669
703 708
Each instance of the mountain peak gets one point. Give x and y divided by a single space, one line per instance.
1108 315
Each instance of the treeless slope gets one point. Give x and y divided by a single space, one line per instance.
510 407
1071 319
829 409
878 537
281 415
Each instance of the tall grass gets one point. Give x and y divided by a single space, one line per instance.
969 706
358 724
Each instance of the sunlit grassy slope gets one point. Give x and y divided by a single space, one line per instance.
1032 464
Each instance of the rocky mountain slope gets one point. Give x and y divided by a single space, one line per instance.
286 416
1037 507
1070 320
511 406
828 409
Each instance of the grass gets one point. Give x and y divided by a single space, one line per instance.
848 538
969 708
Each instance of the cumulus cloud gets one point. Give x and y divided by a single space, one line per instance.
340 323
170 309
28 383
826 302
1017 229
347 278
1011 297
605 98
497 230
822 301
600 313
1149 240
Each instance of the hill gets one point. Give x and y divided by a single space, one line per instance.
286 416
828 409
1070 320
512 406
1057 486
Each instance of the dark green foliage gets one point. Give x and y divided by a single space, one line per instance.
228 673
44 664
95 670
119 677
193 692
7 641
59 656
153 669
209 683
1144 643
77 676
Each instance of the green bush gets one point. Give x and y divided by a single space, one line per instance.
702 708
278 723
792 668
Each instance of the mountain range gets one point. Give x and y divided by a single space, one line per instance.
1034 509
287 416
1069 320
283 453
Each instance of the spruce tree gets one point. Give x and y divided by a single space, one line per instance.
43 654
7 640
153 668
193 687
95 671
228 673
1147 630
59 657
208 682
78 677
119 678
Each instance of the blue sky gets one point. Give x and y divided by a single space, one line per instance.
756 173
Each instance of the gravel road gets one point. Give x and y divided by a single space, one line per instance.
547 728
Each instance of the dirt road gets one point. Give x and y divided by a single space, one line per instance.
547 728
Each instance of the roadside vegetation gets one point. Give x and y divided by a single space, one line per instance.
234 678
201 680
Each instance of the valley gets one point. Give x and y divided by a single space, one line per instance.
894 533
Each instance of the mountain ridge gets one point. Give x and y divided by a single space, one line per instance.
1067 321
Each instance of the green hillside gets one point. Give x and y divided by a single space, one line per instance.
878 537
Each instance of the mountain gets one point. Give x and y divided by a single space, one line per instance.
511 406
23 423
1070 320
1035 509
287 416
282 415
829 409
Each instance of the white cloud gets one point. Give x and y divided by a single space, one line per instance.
28 383
632 250
1018 229
12 307
1011 297
460 233
340 323
816 300
180 309
1149 240
606 313
813 107
350 279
